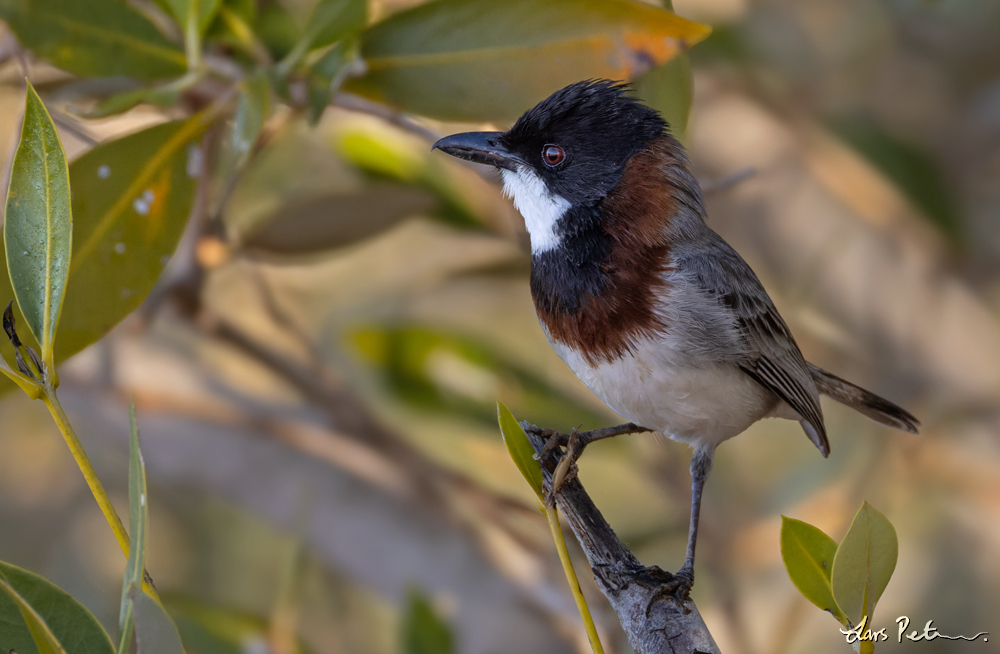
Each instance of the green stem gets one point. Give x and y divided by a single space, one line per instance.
82 460
552 513
93 481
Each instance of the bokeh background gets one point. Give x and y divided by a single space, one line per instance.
316 375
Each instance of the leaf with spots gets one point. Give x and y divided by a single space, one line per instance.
38 227
131 201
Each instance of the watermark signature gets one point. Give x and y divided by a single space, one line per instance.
930 632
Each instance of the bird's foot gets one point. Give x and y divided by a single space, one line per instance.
677 589
565 469
574 443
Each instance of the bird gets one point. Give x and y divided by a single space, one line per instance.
654 312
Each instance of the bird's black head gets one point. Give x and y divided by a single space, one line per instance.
576 141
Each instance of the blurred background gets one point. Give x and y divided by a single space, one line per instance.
316 372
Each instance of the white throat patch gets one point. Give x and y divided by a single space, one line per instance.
540 207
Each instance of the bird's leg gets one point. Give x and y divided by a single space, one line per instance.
680 586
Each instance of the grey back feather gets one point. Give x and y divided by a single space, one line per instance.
770 355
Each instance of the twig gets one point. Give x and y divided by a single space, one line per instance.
729 181
353 102
653 624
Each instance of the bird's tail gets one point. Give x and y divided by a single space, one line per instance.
866 402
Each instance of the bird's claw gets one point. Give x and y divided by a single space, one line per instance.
565 468
555 440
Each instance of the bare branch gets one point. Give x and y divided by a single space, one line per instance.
653 623
729 181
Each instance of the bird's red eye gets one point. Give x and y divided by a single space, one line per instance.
553 155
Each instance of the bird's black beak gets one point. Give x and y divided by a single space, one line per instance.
481 147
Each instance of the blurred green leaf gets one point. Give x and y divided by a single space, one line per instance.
486 60
325 74
423 632
38 227
204 11
93 38
914 172
214 630
240 136
385 156
669 88
520 449
122 102
67 620
441 372
155 632
329 21
864 563
131 201
333 221
245 9
276 29
333 19
138 509
251 111
808 556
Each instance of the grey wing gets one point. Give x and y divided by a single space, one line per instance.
773 359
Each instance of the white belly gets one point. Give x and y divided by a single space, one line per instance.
654 388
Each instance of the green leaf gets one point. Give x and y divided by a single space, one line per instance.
669 88
43 637
520 449
333 19
239 137
864 563
325 75
93 38
65 618
808 556
913 171
454 374
122 102
181 10
487 60
251 111
276 29
155 632
38 227
138 509
423 631
131 201
210 629
329 21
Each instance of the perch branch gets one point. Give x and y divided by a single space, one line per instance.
654 624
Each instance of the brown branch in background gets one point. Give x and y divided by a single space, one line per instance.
729 181
356 103
654 624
